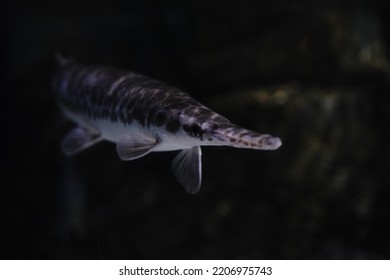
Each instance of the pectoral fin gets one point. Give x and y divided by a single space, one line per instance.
79 139
135 146
187 167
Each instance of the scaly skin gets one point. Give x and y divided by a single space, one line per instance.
143 115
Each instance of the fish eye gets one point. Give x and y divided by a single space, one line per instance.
194 130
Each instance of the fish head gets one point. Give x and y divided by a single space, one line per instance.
199 131
239 137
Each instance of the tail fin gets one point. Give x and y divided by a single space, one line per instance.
242 138
62 60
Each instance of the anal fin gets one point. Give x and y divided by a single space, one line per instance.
187 167
79 139
132 147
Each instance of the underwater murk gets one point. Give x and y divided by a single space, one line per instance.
313 76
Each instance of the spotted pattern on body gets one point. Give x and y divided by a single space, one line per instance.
120 96
142 115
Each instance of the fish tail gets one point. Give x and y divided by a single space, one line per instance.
243 138
62 60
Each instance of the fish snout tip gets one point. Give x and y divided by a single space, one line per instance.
273 143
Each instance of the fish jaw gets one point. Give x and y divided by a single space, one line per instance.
233 136
238 137
195 132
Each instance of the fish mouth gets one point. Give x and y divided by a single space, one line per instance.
243 138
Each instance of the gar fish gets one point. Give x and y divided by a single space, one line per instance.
143 115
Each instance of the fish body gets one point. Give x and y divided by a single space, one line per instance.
143 115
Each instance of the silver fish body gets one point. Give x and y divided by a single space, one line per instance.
143 115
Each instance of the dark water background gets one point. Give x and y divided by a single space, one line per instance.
315 73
